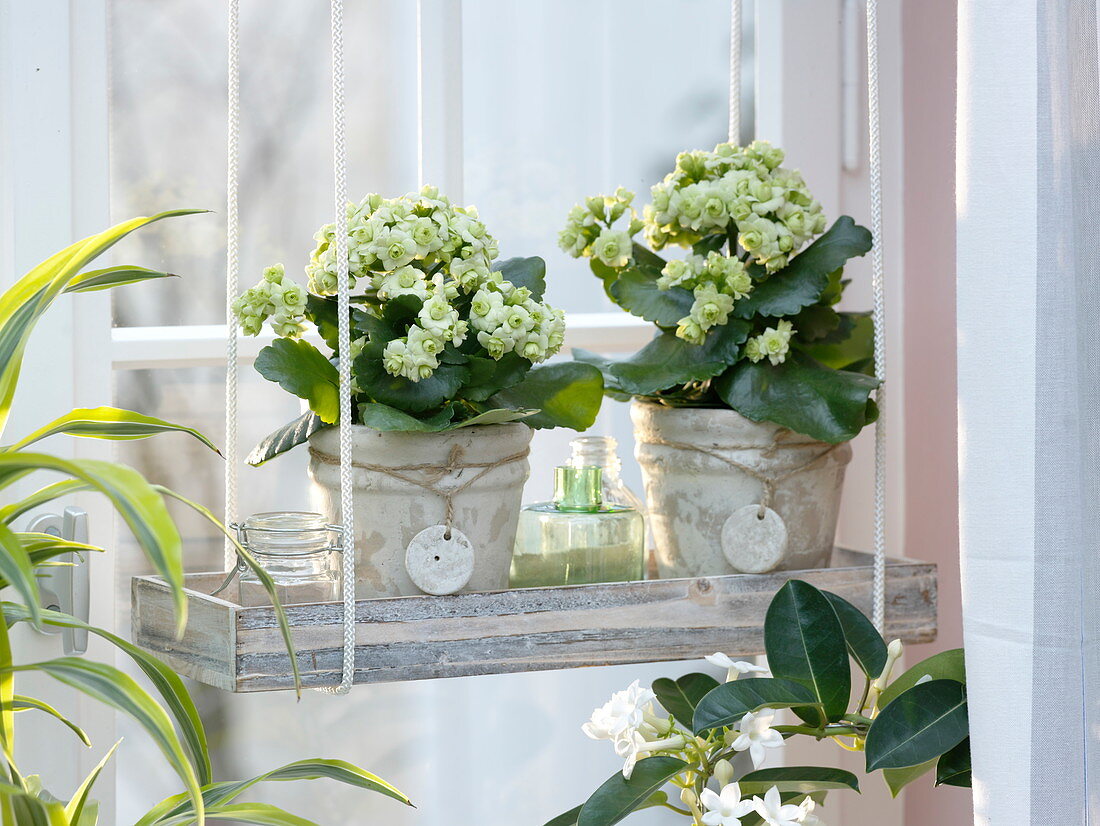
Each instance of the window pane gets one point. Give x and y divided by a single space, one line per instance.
168 125
572 98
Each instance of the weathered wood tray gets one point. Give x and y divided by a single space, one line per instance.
414 638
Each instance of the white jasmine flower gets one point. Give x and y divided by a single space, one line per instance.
725 808
734 668
776 813
808 817
756 735
624 711
632 746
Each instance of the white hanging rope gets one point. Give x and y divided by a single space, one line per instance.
735 72
343 340
878 315
232 275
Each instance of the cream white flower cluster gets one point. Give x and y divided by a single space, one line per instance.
386 235
508 320
716 281
276 299
596 229
419 245
735 189
773 344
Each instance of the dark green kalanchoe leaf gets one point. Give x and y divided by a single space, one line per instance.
606 274
920 725
383 417
497 416
286 437
805 643
487 376
404 394
397 314
301 369
864 642
953 767
801 394
647 259
679 697
637 293
668 361
566 394
618 797
816 322
804 779
322 312
728 703
851 343
805 279
525 272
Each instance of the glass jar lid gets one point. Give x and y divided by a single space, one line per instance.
288 533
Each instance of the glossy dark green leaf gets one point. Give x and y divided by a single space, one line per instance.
524 272
647 258
953 767
725 705
288 436
803 281
488 376
383 417
611 385
864 642
566 394
805 643
804 779
302 370
807 397
618 797
919 725
668 361
565 818
392 321
606 274
636 291
679 697
946 665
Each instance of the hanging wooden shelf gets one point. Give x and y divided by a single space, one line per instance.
239 648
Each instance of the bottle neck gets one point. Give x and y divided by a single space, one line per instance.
598 451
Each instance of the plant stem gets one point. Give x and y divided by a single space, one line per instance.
866 692
677 809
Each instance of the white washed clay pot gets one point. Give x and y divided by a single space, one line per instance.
389 512
693 498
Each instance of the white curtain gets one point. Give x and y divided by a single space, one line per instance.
1029 387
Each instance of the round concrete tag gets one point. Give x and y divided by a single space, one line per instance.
440 560
752 543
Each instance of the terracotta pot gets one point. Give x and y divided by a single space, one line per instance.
389 511
693 497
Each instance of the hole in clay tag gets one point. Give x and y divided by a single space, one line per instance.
440 560
754 545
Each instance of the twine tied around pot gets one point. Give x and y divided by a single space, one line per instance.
767 480
432 473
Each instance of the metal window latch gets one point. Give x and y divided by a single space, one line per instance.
66 588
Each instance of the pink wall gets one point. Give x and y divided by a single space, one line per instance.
931 484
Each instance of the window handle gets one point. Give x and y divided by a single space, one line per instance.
67 588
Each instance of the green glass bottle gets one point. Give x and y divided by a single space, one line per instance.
577 539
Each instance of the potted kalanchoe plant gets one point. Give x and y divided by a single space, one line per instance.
448 382
753 384
709 740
